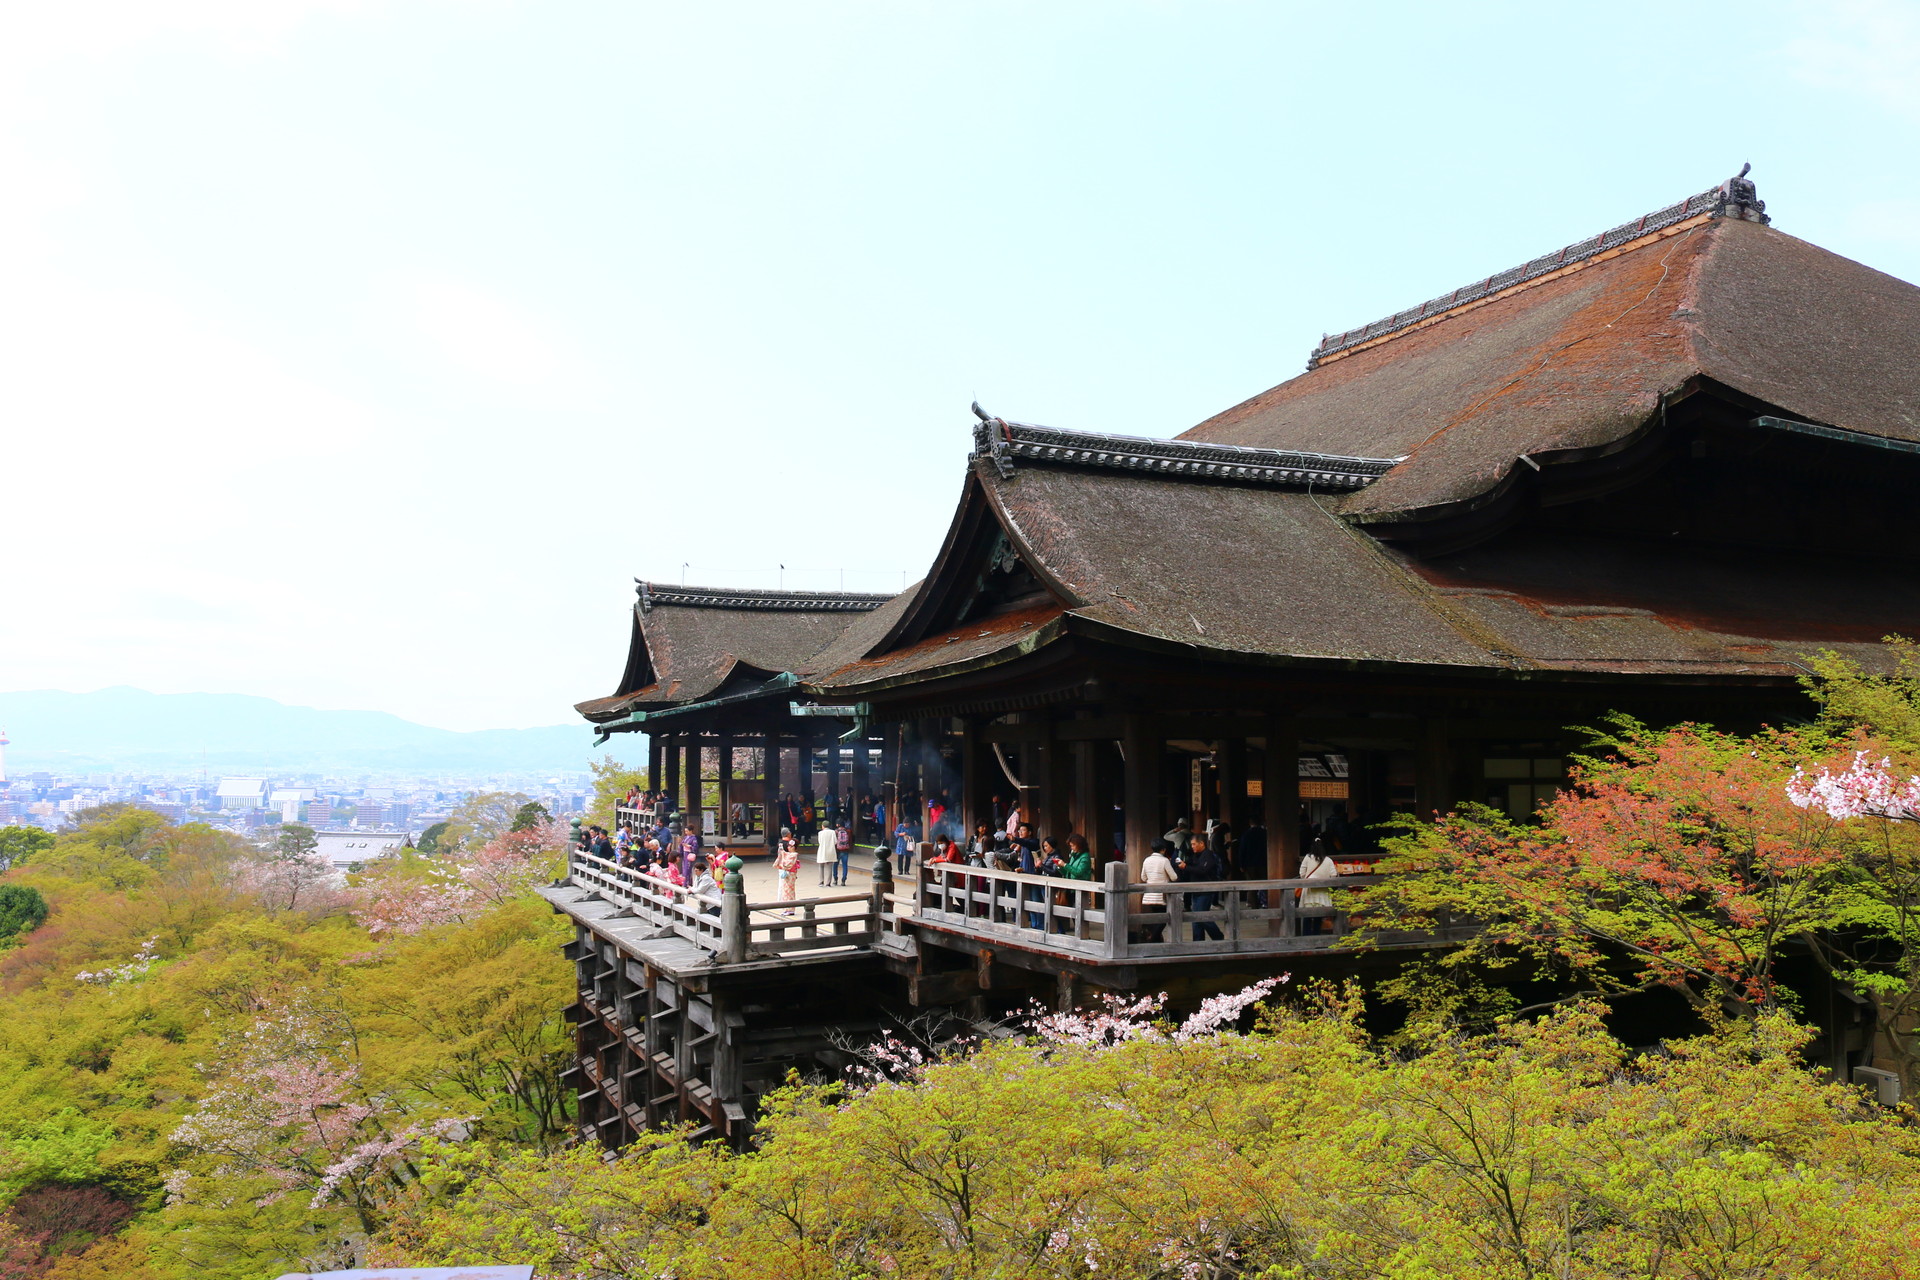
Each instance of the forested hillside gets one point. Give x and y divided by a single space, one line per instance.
205 1040
213 1063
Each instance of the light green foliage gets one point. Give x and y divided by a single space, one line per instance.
97 1076
431 837
62 1147
479 818
1539 1150
1886 706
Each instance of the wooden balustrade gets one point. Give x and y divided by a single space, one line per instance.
1094 920
771 928
1079 918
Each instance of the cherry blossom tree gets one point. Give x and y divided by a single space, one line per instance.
405 894
291 1114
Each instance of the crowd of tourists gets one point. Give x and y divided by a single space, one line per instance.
660 847
664 851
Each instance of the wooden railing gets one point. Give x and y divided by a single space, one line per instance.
656 901
1098 921
1109 920
727 924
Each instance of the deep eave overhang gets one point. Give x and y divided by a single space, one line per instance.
1663 671
780 684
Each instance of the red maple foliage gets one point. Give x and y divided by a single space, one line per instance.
1679 860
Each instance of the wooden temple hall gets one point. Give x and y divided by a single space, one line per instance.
1646 472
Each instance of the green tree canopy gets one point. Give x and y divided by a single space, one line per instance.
611 781
479 818
18 844
22 910
296 840
530 816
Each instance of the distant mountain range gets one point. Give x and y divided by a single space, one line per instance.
123 729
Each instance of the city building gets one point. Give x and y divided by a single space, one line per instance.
347 850
241 793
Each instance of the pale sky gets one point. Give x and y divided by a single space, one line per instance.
360 354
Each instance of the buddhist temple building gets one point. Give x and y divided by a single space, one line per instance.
1646 473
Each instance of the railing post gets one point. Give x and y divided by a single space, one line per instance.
733 914
882 886
1117 902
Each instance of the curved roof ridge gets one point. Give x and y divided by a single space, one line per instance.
659 593
1737 197
1004 443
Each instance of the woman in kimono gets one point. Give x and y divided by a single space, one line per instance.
787 862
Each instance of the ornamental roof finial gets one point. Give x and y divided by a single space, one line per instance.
1739 198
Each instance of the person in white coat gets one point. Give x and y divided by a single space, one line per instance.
1317 865
828 855
1155 868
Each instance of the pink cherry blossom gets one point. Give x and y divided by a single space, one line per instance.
1864 789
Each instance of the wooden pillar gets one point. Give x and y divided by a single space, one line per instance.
693 782
862 785
803 768
770 792
1280 788
1432 781
670 748
1057 785
1233 783
974 765
1143 748
726 791
833 774
654 780
1090 798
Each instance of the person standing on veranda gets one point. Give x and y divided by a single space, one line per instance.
1317 865
1156 868
787 863
827 856
842 851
